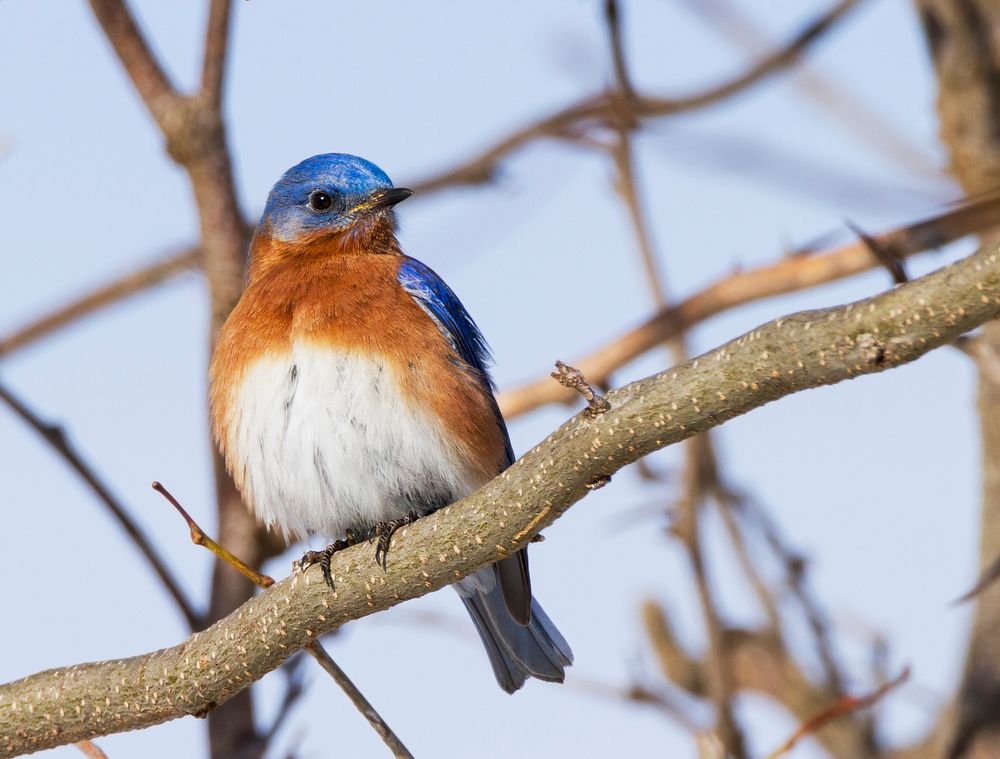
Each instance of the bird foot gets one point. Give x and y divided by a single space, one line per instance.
383 532
323 557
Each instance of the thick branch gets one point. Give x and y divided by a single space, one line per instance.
801 351
132 49
195 133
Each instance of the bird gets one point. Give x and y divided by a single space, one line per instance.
350 394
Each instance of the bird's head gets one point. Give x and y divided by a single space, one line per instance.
330 194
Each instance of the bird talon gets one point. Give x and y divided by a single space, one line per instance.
323 558
383 532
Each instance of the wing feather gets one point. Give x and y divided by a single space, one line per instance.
440 303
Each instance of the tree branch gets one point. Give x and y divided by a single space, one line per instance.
315 649
56 438
195 133
136 57
169 109
793 273
216 49
601 109
130 284
797 352
839 102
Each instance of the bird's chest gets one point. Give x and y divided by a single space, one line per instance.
326 439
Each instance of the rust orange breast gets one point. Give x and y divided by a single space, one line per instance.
355 303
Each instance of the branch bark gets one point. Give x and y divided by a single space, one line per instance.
195 133
784 356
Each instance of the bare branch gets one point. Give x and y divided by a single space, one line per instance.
216 49
845 705
200 538
135 54
601 109
888 258
358 699
612 14
790 274
884 137
56 438
790 354
130 284
152 84
195 134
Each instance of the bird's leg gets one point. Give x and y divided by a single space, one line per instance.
383 532
323 557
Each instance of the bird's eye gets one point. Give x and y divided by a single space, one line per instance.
320 201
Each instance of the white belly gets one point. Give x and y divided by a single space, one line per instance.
325 442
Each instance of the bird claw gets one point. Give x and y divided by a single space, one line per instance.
323 557
383 532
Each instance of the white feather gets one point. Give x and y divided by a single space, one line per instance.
327 442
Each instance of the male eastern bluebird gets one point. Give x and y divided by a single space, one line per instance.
350 394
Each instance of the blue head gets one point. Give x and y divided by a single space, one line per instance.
329 193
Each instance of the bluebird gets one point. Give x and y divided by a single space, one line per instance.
350 394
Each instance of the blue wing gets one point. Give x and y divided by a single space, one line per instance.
443 306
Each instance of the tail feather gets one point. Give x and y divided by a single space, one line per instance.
516 651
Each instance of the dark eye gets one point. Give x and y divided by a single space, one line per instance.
320 201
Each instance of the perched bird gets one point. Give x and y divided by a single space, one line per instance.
350 394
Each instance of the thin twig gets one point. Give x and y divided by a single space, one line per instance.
612 14
795 575
625 184
988 576
844 705
739 542
117 290
884 137
637 694
572 378
56 438
199 537
718 664
892 262
91 750
358 699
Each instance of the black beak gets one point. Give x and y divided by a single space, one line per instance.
389 198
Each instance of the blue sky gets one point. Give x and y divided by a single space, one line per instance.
875 479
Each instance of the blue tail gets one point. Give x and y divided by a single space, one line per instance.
516 651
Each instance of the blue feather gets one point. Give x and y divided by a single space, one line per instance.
455 323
